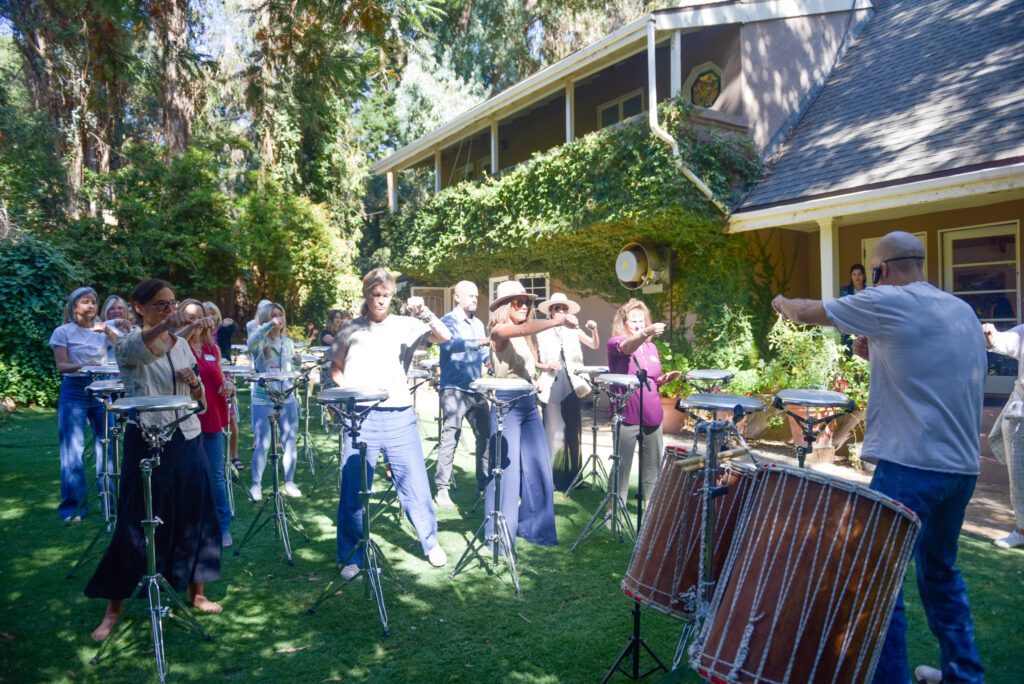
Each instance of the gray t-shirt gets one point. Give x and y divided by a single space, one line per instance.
377 354
928 367
85 347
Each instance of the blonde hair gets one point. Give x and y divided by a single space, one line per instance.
503 314
376 277
212 309
109 302
205 337
619 326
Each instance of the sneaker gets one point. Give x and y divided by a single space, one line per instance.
237 463
924 674
437 557
349 571
72 519
225 540
1010 541
291 490
442 500
256 492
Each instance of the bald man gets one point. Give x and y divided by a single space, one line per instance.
928 367
462 359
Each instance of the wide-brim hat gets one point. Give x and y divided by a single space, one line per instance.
558 298
509 290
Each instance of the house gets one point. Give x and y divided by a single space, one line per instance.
871 116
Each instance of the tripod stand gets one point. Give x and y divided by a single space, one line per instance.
373 564
812 425
499 538
597 470
308 449
612 508
636 645
282 509
152 583
110 478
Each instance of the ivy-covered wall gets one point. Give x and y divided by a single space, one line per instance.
571 209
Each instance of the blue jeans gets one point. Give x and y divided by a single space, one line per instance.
395 432
940 500
75 408
288 423
213 445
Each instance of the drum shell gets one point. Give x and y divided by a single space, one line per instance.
810 583
666 558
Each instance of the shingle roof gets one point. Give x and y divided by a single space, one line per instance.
929 87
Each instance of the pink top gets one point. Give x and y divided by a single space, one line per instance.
647 355
208 361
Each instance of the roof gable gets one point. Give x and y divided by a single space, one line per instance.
930 87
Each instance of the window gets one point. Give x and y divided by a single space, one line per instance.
535 283
704 84
438 299
611 113
979 265
492 286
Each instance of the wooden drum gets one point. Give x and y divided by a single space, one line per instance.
664 570
810 583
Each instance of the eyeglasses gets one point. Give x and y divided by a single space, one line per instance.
876 272
519 302
164 304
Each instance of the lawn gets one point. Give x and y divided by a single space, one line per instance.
568 625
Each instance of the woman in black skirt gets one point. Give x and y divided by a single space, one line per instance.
157 362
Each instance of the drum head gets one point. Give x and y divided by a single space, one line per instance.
813 399
238 370
624 380
362 395
310 358
428 364
173 402
501 385
591 370
318 349
709 375
417 374
109 369
106 387
721 402
279 376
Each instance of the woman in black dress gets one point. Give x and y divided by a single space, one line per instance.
156 362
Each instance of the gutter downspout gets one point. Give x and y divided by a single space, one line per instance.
658 131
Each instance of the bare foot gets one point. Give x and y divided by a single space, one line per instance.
109 620
205 605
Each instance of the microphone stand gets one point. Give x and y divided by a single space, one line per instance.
636 641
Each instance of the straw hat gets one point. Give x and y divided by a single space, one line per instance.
558 298
507 290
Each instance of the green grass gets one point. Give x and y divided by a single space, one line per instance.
568 626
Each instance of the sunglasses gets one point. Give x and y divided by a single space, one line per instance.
519 302
559 309
876 272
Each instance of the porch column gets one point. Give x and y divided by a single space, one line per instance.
828 243
437 171
676 66
392 192
570 111
494 148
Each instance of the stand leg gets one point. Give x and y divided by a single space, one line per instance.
597 474
612 507
684 640
633 652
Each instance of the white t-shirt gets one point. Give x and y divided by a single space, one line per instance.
1011 343
85 347
928 367
375 354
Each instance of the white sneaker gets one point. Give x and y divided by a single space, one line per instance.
437 557
256 492
925 674
225 540
291 490
1010 541
443 500
349 571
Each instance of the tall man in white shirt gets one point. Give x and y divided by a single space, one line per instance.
374 350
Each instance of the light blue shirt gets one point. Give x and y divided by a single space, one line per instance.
462 357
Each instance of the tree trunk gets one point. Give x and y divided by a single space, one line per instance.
170 23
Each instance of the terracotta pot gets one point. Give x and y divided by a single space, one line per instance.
674 421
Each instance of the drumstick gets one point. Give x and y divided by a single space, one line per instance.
695 463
